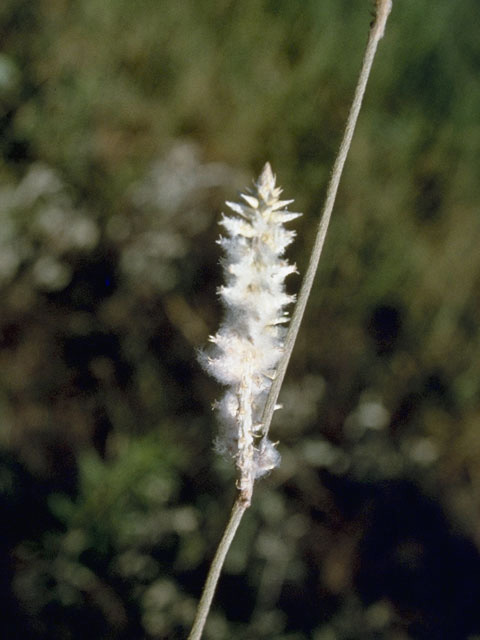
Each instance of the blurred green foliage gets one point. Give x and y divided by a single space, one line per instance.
124 126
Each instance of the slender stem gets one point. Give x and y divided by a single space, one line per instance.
238 510
383 8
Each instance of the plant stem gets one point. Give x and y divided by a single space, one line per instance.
239 508
383 8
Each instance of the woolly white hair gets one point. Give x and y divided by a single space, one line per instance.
249 342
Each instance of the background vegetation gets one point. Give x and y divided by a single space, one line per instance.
124 127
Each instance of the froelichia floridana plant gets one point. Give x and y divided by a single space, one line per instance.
249 344
251 349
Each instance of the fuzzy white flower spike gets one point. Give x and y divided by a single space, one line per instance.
249 343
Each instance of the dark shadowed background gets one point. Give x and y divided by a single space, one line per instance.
124 127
